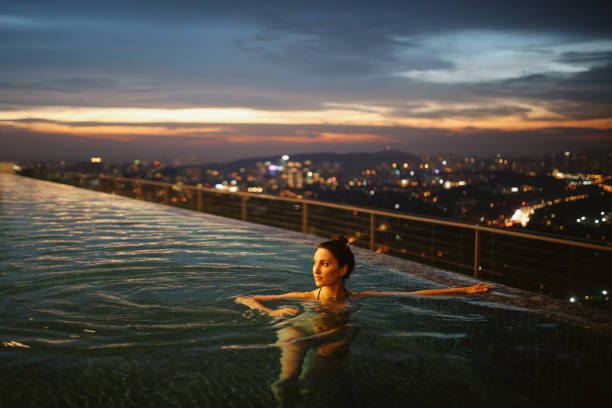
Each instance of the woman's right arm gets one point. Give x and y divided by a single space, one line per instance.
256 302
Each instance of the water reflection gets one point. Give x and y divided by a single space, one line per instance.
313 346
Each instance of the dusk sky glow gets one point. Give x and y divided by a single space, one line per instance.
220 81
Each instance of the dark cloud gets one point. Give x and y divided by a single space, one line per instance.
74 84
600 58
258 140
580 96
336 48
584 16
475 113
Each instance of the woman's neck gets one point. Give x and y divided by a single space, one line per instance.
332 292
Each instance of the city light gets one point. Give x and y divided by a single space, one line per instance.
96 160
521 216
604 292
572 299
285 157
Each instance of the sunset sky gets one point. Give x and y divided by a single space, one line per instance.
224 80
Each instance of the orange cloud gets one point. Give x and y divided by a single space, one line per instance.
117 132
132 123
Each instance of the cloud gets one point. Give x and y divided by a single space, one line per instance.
593 58
223 143
583 96
72 84
481 112
477 56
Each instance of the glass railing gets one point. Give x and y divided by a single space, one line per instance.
574 270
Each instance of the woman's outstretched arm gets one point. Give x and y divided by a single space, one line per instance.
256 302
478 288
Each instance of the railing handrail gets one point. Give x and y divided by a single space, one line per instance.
371 211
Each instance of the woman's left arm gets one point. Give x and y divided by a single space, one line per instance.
478 288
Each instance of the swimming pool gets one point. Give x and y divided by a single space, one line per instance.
109 301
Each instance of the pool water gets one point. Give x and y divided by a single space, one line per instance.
109 301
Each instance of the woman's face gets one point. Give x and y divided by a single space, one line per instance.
325 268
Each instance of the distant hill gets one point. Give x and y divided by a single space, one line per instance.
348 161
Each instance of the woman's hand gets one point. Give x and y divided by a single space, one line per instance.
285 311
245 300
254 302
478 288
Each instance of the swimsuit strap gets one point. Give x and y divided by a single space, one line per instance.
345 291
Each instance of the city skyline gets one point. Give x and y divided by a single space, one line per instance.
222 82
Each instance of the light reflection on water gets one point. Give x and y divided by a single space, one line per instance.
129 303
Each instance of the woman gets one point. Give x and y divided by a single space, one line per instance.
333 264
312 342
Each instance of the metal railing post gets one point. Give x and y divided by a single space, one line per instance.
476 252
571 266
243 208
138 190
200 201
372 229
432 244
305 218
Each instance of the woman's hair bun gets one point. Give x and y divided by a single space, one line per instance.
340 238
